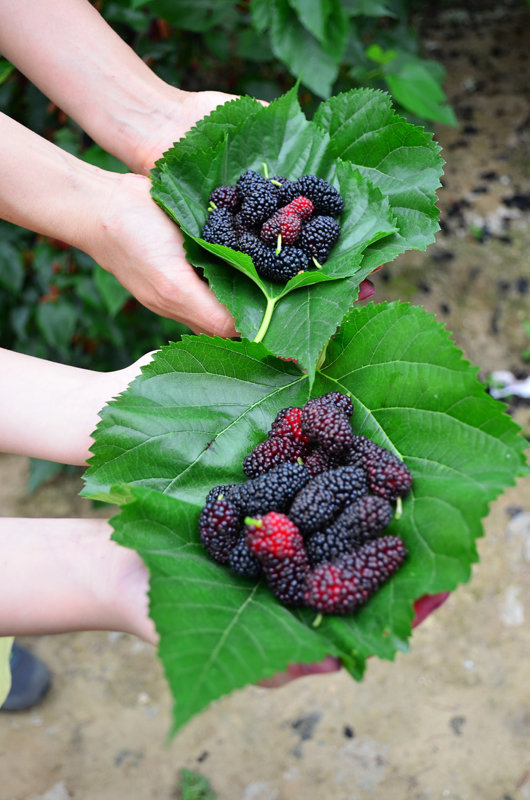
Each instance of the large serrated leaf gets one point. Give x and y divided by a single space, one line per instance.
216 633
314 59
400 158
281 137
388 210
186 424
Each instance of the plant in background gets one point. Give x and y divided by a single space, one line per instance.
329 45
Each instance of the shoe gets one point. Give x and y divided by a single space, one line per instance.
30 680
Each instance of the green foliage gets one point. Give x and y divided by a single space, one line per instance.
186 424
386 169
328 44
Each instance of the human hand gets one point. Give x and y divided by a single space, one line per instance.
423 607
139 244
177 112
61 575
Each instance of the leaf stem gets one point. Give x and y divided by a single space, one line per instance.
265 322
265 169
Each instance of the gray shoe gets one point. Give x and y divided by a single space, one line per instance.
30 680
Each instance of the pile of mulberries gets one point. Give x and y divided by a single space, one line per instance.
285 226
310 517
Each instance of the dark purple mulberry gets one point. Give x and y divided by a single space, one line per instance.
278 268
319 461
323 546
325 198
388 476
223 490
279 547
318 236
272 491
327 425
225 197
243 562
342 586
219 229
248 181
271 452
338 399
357 524
318 503
259 205
364 519
291 261
219 528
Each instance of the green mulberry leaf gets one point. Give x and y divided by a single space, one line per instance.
281 137
401 159
185 425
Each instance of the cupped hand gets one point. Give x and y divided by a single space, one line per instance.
179 112
423 607
141 246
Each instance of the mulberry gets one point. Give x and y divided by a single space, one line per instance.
320 501
219 229
319 461
269 453
279 547
338 399
327 425
219 528
364 519
272 491
388 476
342 586
291 261
318 236
225 197
324 546
325 198
260 203
278 268
243 562
287 423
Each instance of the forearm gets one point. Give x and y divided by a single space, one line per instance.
50 410
60 575
46 189
67 49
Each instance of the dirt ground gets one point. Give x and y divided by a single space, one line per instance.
449 719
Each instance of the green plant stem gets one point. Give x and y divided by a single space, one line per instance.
265 322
